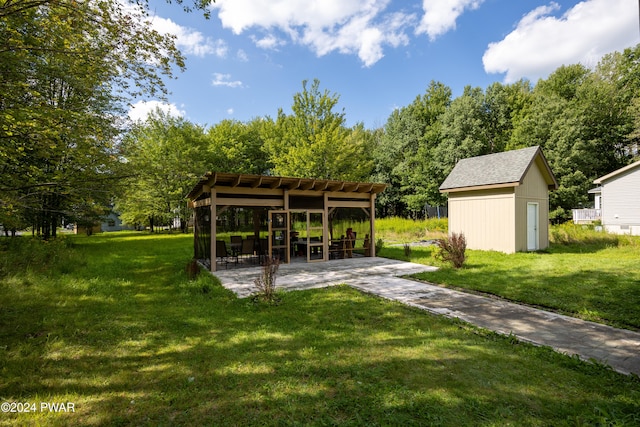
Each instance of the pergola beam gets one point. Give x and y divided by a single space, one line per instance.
277 183
224 201
348 203
309 185
296 184
256 183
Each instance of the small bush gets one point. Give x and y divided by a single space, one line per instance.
452 249
379 245
407 250
266 283
193 269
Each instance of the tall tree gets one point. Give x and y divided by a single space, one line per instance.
463 131
314 142
583 120
403 158
67 69
237 147
165 156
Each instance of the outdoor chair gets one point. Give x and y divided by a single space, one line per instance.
222 254
248 249
337 248
236 244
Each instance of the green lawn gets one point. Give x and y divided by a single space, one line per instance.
114 326
597 281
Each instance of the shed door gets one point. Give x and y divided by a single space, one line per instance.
532 227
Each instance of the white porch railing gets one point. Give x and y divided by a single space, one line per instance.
586 215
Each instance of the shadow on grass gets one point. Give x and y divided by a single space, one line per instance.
133 342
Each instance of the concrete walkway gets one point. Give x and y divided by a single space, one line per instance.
617 348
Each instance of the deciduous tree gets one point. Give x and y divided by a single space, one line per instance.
165 156
314 142
67 69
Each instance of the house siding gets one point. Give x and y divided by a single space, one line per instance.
621 202
485 217
534 189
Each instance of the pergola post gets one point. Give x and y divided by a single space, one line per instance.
214 223
372 224
325 227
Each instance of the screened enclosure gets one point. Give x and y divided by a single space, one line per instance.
241 220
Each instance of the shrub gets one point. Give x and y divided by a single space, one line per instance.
266 283
193 269
407 250
452 249
379 245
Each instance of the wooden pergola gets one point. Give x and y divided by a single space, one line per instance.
314 199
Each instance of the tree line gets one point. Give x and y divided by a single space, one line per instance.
586 120
69 69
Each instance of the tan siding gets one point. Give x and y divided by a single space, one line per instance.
533 189
534 185
485 217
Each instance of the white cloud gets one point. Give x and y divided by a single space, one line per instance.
347 26
220 79
229 111
440 15
242 55
141 110
269 41
541 42
190 41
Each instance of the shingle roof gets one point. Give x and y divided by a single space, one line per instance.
499 169
617 172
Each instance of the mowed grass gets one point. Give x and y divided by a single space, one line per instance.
585 274
115 327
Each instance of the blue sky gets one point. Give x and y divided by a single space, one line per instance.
251 56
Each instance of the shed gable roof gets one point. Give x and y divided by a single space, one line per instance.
506 169
615 173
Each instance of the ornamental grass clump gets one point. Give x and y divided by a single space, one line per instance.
266 283
407 250
452 249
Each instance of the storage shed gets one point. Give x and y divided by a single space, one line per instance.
302 217
620 197
501 201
